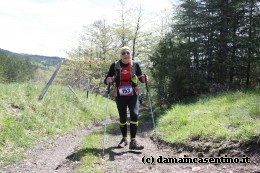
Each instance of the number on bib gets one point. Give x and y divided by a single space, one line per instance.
125 90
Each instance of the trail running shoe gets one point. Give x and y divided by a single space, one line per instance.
134 146
123 143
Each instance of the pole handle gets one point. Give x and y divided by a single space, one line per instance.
108 88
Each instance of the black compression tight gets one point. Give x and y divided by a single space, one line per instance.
122 103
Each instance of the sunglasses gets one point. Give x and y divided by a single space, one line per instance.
123 53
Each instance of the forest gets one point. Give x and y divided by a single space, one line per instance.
13 69
212 47
20 68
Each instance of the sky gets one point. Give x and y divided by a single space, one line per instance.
51 27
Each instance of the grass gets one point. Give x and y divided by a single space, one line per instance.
232 115
90 153
25 121
228 116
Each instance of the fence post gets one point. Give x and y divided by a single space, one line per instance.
50 81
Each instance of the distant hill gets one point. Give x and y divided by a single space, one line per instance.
44 62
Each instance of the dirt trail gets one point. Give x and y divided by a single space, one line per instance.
55 156
51 156
125 160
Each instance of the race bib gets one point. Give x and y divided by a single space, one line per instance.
125 90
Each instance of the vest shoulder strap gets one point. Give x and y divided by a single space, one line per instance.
117 65
133 67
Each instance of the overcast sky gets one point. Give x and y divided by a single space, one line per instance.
50 27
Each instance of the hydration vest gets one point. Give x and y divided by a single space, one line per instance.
134 78
133 81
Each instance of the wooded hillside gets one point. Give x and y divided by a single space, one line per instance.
15 67
213 46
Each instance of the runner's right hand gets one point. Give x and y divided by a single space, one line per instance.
109 80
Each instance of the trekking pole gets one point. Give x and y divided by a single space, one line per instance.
104 136
151 109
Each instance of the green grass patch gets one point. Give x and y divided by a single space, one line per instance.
91 151
231 115
25 121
